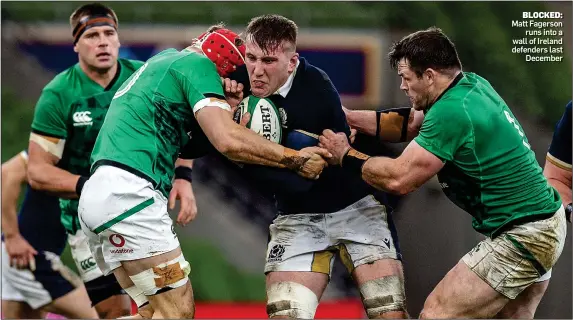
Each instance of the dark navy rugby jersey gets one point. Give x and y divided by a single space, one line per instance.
560 149
39 221
312 105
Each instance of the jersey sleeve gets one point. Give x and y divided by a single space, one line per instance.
445 129
50 115
202 85
560 149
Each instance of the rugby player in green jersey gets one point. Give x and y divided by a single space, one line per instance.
471 140
175 99
67 119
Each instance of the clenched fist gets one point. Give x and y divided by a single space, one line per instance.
336 143
313 162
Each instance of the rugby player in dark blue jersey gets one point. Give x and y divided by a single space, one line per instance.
558 165
335 215
34 280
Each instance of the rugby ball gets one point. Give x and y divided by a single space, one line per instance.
265 117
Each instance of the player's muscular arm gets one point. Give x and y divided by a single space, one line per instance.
243 145
13 176
388 125
560 179
46 145
44 153
20 252
404 174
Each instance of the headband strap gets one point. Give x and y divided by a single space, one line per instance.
88 22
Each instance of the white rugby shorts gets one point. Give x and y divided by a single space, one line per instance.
125 218
49 281
360 233
520 256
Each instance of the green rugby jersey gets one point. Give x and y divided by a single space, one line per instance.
72 107
490 170
151 117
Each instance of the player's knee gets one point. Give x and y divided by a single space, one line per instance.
383 295
433 309
163 277
292 300
188 312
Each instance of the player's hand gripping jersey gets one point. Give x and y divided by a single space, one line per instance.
490 171
72 107
151 117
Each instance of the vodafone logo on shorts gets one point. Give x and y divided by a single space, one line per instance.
118 241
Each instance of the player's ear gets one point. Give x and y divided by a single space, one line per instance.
429 75
75 48
292 62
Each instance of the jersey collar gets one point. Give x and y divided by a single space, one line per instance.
96 85
453 84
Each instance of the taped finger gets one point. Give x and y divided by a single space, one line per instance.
32 263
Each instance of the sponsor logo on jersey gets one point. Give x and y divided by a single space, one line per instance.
276 253
82 118
87 264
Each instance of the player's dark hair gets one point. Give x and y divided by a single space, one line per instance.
91 9
271 30
424 49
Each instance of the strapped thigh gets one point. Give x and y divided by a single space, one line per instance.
383 295
163 277
291 299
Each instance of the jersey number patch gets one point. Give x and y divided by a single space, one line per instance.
512 121
131 82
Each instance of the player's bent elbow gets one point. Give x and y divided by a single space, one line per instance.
34 173
399 188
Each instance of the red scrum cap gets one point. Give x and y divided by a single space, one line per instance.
224 47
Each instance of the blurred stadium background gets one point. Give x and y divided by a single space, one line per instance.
349 40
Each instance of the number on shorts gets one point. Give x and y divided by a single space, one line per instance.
519 130
131 82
